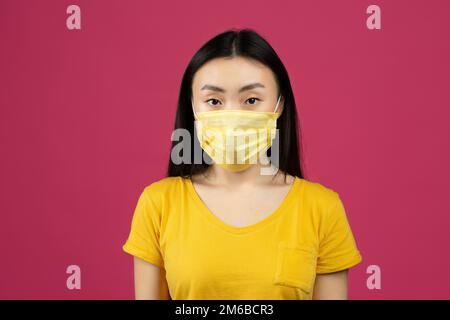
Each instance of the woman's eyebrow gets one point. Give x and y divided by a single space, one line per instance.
244 88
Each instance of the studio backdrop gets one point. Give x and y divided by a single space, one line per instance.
88 95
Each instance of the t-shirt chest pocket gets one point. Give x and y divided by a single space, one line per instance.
296 266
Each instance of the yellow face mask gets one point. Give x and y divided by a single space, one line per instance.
236 139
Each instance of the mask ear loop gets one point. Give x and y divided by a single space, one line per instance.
193 109
279 97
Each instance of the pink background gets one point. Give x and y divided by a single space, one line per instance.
86 118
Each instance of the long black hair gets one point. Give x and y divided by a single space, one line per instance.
245 43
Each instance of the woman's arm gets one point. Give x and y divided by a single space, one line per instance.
331 286
149 281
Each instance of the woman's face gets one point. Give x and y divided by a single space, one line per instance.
235 83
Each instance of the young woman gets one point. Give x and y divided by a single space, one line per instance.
215 229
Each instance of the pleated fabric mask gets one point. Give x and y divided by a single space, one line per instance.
236 139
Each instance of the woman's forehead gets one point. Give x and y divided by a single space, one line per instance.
233 75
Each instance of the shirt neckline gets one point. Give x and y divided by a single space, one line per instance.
296 186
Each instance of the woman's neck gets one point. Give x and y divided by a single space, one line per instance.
255 174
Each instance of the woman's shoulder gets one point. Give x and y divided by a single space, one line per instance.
162 191
318 193
163 185
321 202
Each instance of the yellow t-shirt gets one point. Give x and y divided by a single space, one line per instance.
275 258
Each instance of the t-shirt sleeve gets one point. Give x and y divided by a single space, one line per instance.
143 239
337 248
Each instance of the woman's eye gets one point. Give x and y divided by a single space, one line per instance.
252 99
215 100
